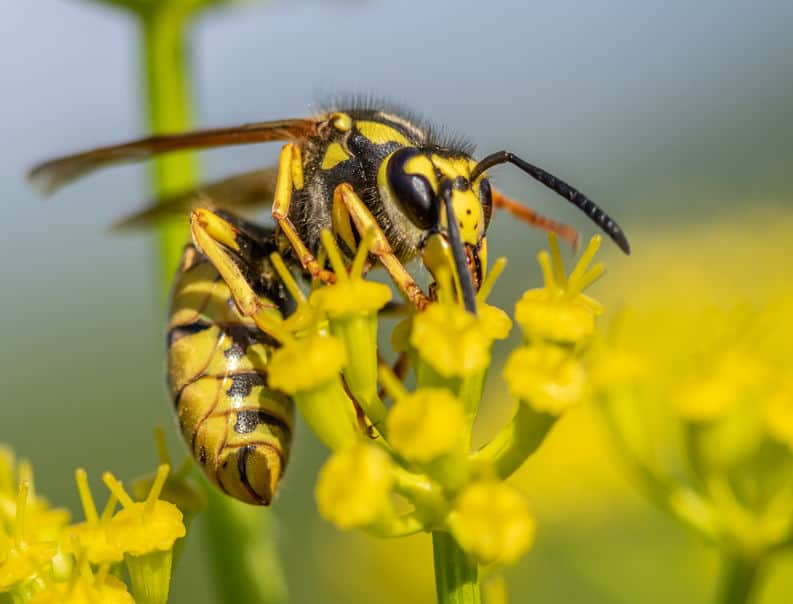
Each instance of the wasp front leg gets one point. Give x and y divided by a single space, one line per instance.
290 179
535 219
218 239
345 197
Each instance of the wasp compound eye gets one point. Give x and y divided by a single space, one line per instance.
412 190
486 199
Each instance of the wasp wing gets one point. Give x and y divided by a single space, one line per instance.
51 175
239 192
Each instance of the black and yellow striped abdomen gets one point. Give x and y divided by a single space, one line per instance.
238 430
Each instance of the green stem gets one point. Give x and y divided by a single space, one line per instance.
456 573
516 441
243 556
169 109
245 562
739 575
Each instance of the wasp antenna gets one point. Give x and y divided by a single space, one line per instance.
458 253
578 199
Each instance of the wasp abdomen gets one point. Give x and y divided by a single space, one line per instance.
237 428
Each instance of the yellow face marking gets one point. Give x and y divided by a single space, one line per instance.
469 214
453 167
341 121
380 134
421 164
334 155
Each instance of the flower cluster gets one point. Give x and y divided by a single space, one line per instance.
401 459
44 559
698 396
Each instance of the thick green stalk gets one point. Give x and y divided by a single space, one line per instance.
244 558
456 573
739 577
169 110
243 554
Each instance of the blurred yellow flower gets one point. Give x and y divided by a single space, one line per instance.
545 377
354 486
425 424
491 520
779 415
85 589
732 379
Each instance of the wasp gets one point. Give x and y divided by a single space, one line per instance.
349 169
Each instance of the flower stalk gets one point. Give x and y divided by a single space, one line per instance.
739 576
416 471
456 572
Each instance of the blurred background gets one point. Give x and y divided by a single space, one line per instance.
675 116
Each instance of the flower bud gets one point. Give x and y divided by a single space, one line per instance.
354 486
545 377
491 521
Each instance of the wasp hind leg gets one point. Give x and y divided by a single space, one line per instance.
535 219
227 247
290 178
344 196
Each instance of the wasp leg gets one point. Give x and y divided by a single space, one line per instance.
381 249
214 236
535 219
290 178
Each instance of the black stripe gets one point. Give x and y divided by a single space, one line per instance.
242 468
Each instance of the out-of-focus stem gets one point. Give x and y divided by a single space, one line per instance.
739 576
456 573
244 559
169 109
243 555
515 441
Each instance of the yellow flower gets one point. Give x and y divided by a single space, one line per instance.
146 531
492 522
734 378
354 486
545 377
559 312
451 340
145 526
92 537
44 523
426 424
307 363
22 558
351 294
85 589
779 415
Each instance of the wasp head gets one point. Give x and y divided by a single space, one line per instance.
437 195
